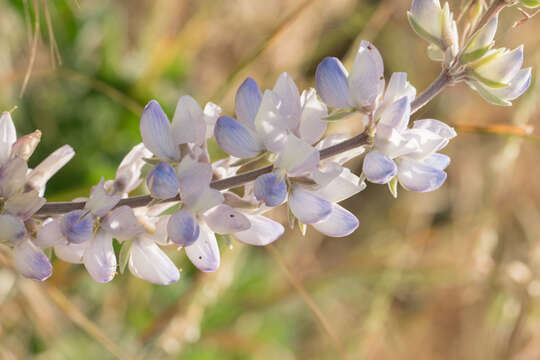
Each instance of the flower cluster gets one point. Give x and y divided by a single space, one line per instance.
278 155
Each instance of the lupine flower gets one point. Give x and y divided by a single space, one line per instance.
21 190
408 153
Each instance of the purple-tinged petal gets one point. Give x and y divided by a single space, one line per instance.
188 124
416 176
38 177
263 231
397 114
297 157
12 229
312 127
223 219
162 181
270 125
99 258
435 126
340 223
183 228
148 262
518 85
122 224
437 161
71 252
156 132
236 139
366 80
428 142
100 202
31 261
308 207
501 68
24 205
76 229
332 86
378 168
49 234
204 253
247 101
8 136
270 189
12 176
290 106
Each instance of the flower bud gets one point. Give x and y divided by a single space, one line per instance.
497 68
162 181
24 147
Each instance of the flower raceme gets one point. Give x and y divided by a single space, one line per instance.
281 127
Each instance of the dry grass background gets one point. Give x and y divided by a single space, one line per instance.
453 274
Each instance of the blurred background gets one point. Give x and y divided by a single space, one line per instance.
453 274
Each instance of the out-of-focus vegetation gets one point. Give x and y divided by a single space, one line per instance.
453 274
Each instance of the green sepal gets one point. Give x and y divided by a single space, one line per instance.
123 256
291 218
489 97
530 3
392 186
423 33
303 228
489 83
474 55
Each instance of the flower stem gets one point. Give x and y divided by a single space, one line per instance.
442 81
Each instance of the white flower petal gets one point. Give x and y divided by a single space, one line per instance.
100 202
397 114
427 14
188 125
12 229
366 80
378 168
437 161
236 139
122 224
247 101
518 85
428 142
501 68
31 261
416 176
207 199
129 172
8 136
435 126
38 177
194 178
49 234
332 85
271 127
24 205
211 114
290 106
223 219
204 253
342 187
12 176
148 262
99 258
71 252
263 231
308 207
297 157
156 132
312 127
484 37
340 223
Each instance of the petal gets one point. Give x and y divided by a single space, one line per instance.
12 229
49 234
31 261
207 199
156 132
122 224
211 114
24 205
263 231
308 207
270 189
188 125
247 101
76 229
397 114
378 168
332 86
129 172
204 253
100 202
435 126
428 142
518 85
162 181
297 157
340 223
99 258
484 37
148 262
24 146
71 252
12 176
312 127
437 161
398 87
416 176
366 80
290 106
183 228
427 15
223 219
501 67
270 124
342 187
38 177
8 136
236 139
